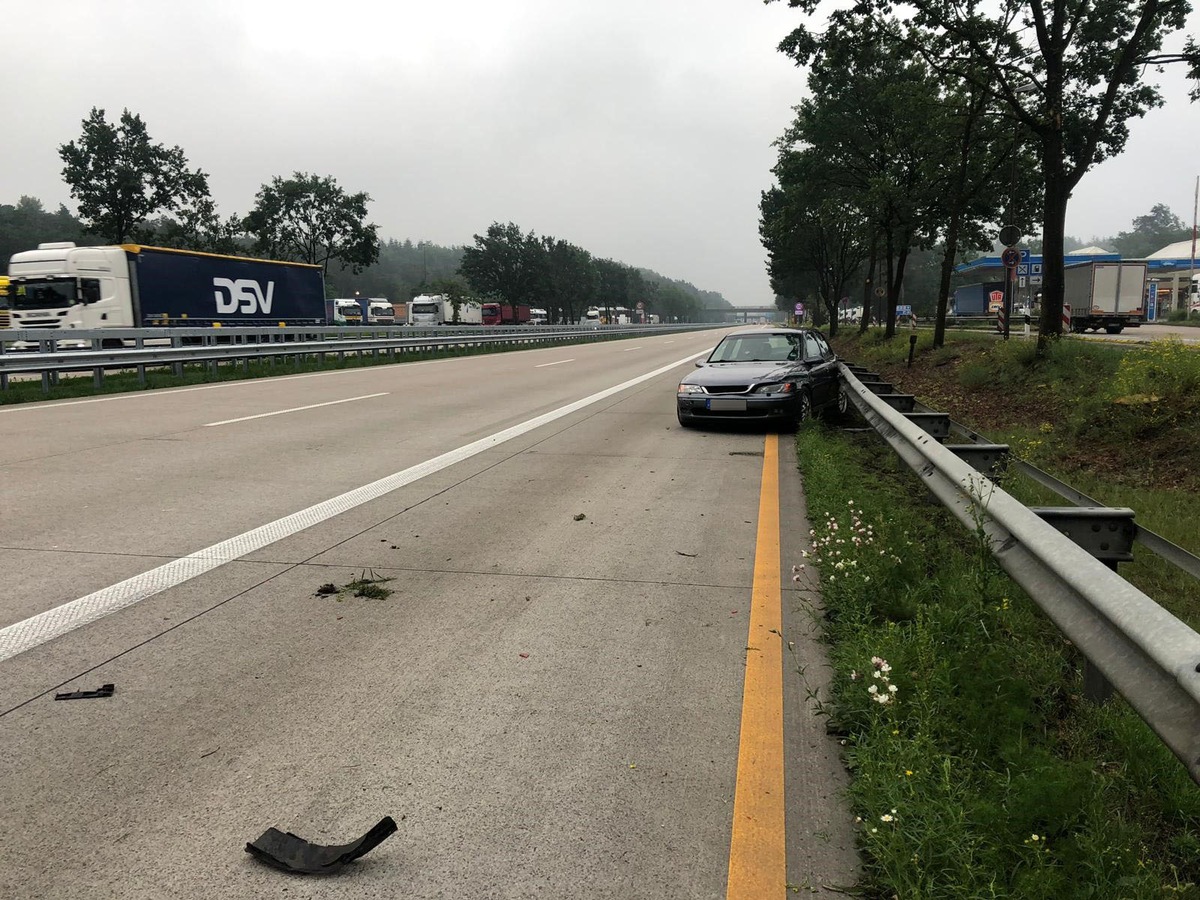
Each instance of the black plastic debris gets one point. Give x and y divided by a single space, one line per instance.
294 854
105 690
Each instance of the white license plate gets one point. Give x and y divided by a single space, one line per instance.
727 404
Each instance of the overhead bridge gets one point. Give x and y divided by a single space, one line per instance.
746 313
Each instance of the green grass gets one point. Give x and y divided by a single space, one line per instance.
986 774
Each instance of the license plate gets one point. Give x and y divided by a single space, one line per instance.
726 404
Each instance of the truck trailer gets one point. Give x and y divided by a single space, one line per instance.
65 287
1108 295
432 310
503 314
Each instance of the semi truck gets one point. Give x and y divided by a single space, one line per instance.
379 311
503 314
438 309
1108 295
65 287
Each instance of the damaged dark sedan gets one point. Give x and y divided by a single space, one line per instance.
776 374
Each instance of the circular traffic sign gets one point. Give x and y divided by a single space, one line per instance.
879 292
1010 257
1009 235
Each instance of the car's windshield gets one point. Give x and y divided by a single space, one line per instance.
43 294
757 348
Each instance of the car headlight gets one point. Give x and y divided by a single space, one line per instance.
786 387
690 389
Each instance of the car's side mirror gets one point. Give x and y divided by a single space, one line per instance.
699 363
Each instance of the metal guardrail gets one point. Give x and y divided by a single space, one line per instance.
177 347
1148 655
1152 541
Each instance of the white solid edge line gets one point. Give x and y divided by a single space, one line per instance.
558 362
280 412
36 630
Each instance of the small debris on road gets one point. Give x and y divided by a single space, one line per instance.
523 655
327 589
105 690
579 517
286 851
690 555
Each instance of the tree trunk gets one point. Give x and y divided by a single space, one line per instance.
943 302
1053 227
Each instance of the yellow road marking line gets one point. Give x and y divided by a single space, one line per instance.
757 854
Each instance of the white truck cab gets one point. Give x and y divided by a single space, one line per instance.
59 285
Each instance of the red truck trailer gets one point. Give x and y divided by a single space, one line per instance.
503 314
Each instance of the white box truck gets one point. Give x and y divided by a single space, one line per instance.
1108 295
432 310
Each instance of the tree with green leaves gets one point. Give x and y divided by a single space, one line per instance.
196 226
1151 232
872 120
28 223
120 177
505 264
1073 74
571 278
311 219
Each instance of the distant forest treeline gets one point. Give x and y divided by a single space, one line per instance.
404 268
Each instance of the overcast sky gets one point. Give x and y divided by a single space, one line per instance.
638 129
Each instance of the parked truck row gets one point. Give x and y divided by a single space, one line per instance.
62 286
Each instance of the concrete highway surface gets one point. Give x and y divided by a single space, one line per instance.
586 681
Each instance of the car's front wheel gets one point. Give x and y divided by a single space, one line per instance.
685 421
804 409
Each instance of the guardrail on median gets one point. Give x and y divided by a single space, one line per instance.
176 347
1148 655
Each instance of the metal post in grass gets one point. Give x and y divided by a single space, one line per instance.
44 347
177 367
139 343
98 372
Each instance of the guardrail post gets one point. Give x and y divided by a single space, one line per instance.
177 367
140 344
1107 533
44 347
3 375
98 372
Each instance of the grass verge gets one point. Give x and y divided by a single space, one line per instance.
978 770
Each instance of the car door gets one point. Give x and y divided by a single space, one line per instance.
822 369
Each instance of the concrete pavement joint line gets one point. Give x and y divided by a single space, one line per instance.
274 379
757 848
474 573
36 630
555 363
280 412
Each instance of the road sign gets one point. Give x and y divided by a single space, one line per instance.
903 311
1009 235
1035 280
1021 281
1023 269
799 309
1010 257
879 292
1152 302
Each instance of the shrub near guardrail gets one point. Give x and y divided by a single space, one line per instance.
977 768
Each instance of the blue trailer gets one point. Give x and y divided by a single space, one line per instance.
63 286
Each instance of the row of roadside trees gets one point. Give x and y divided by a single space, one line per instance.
519 267
129 188
937 127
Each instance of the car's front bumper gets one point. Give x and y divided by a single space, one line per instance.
744 406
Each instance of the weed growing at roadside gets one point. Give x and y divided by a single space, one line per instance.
983 740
